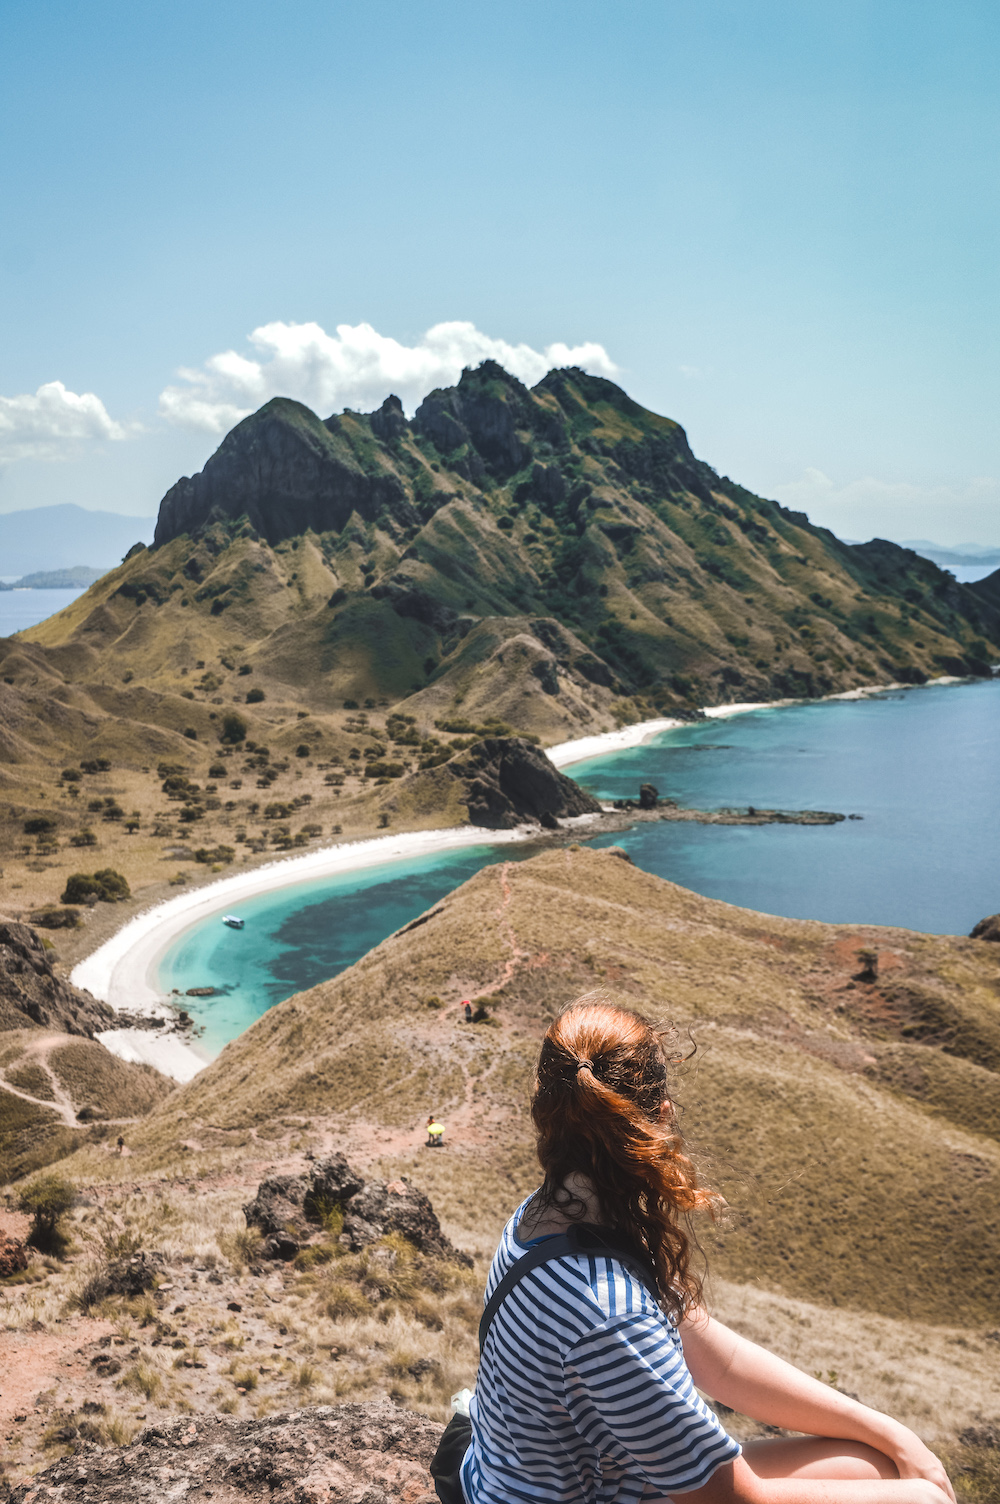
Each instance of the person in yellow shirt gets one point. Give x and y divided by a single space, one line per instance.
435 1133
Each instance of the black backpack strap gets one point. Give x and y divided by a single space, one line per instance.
583 1237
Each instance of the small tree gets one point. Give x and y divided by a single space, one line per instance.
234 729
47 1199
869 965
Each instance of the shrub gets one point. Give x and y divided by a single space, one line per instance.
218 770
83 838
346 1300
107 886
254 696
302 750
215 854
380 768
350 705
71 775
96 765
47 1199
39 825
56 919
245 668
191 734
277 811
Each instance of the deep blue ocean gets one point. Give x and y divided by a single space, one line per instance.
25 608
920 766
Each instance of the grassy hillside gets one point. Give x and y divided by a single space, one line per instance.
854 1125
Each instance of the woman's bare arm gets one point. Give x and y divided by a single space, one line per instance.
737 1483
748 1378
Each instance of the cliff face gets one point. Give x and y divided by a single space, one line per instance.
31 995
285 472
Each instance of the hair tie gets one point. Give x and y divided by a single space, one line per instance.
580 1064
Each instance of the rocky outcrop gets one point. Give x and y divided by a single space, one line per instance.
289 1209
32 995
286 471
508 781
986 929
345 1454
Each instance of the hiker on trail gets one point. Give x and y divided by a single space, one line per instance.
435 1133
592 1360
468 1012
121 1145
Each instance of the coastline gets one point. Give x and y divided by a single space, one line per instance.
118 971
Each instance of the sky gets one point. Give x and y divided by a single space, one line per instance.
775 221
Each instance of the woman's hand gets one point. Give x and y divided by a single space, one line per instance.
915 1460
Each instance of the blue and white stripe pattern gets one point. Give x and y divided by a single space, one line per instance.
583 1395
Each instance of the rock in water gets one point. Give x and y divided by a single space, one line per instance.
986 929
649 796
374 1452
509 781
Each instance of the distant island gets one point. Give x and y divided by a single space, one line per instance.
77 577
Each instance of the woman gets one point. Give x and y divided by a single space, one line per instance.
586 1387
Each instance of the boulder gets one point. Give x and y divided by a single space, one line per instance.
13 1257
289 1208
376 1453
508 780
397 1207
986 929
649 796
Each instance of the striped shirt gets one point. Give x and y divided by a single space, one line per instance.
583 1395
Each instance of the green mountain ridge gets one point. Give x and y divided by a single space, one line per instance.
434 542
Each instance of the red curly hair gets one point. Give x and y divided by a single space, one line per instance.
601 1108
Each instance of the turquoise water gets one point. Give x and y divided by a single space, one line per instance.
919 766
306 933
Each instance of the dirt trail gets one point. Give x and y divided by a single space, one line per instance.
38 1051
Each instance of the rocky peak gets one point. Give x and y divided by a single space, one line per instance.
286 472
389 421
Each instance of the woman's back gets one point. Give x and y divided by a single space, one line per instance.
583 1393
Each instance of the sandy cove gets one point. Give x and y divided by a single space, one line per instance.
119 971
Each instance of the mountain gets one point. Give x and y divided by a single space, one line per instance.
959 553
47 538
59 1086
368 590
392 557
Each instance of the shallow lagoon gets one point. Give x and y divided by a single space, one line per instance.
920 766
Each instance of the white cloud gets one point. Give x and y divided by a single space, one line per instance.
967 511
355 367
53 423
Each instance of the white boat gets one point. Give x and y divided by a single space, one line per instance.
233 921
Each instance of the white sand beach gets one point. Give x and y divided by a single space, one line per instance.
563 754
120 971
